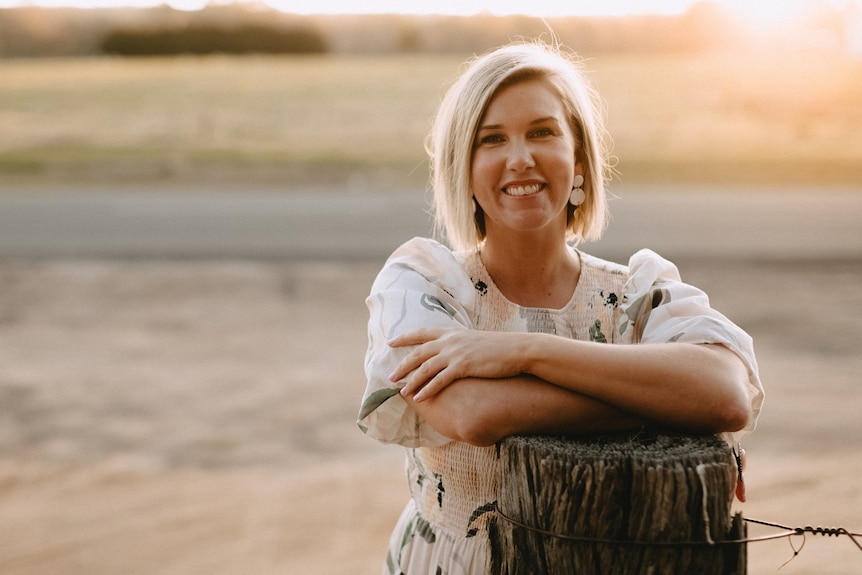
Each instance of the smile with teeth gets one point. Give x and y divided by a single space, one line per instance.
522 190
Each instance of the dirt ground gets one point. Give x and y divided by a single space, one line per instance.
185 417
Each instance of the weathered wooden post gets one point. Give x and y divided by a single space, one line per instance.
620 504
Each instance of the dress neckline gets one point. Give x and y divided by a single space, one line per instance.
575 292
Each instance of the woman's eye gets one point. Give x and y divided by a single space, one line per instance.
491 139
543 133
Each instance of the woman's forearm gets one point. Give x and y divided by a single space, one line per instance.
696 387
701 388
483 411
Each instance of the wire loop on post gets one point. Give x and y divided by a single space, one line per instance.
787 532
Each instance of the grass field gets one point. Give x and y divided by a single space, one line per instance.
361 120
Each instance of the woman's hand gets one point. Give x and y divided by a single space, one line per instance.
443 356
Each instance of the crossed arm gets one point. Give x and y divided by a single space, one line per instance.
479 387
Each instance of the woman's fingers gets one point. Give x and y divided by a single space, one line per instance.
434 385
437 361
425 370
415 337
413 361
418 356
427 379
420 376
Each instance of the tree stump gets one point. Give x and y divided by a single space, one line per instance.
631 503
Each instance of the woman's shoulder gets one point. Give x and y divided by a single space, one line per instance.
602 274
648 262
421 249
429 260
424 255
644 263
603 265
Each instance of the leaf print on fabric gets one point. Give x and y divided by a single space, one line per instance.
632 312
375 400
421 473
638 313
441 491
392 563
434 303
656 298
477 513
394 328
596 334
424 530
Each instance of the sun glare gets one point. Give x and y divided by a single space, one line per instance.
548 8
766 18
457 7
763 12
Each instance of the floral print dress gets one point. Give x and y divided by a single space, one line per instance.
453 485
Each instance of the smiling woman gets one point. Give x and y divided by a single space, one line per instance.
511 328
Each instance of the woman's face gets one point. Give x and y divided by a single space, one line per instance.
523 163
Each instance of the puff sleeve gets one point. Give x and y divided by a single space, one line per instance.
421 285
659 308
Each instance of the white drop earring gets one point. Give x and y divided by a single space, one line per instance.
578 196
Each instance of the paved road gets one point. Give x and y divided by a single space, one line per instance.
329 224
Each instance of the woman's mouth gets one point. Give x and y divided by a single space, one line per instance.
518 190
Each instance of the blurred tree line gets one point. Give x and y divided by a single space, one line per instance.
209 39
244 28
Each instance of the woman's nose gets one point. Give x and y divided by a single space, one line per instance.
520 156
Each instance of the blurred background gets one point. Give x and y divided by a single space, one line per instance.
195 198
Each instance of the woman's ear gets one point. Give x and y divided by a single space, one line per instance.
581 163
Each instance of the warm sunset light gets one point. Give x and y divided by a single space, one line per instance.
774 17
199 314
775 10
456 7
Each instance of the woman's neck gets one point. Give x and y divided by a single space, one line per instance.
532 273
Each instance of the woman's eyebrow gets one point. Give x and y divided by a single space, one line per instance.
541 120
545 119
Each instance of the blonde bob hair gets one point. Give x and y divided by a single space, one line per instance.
450 143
